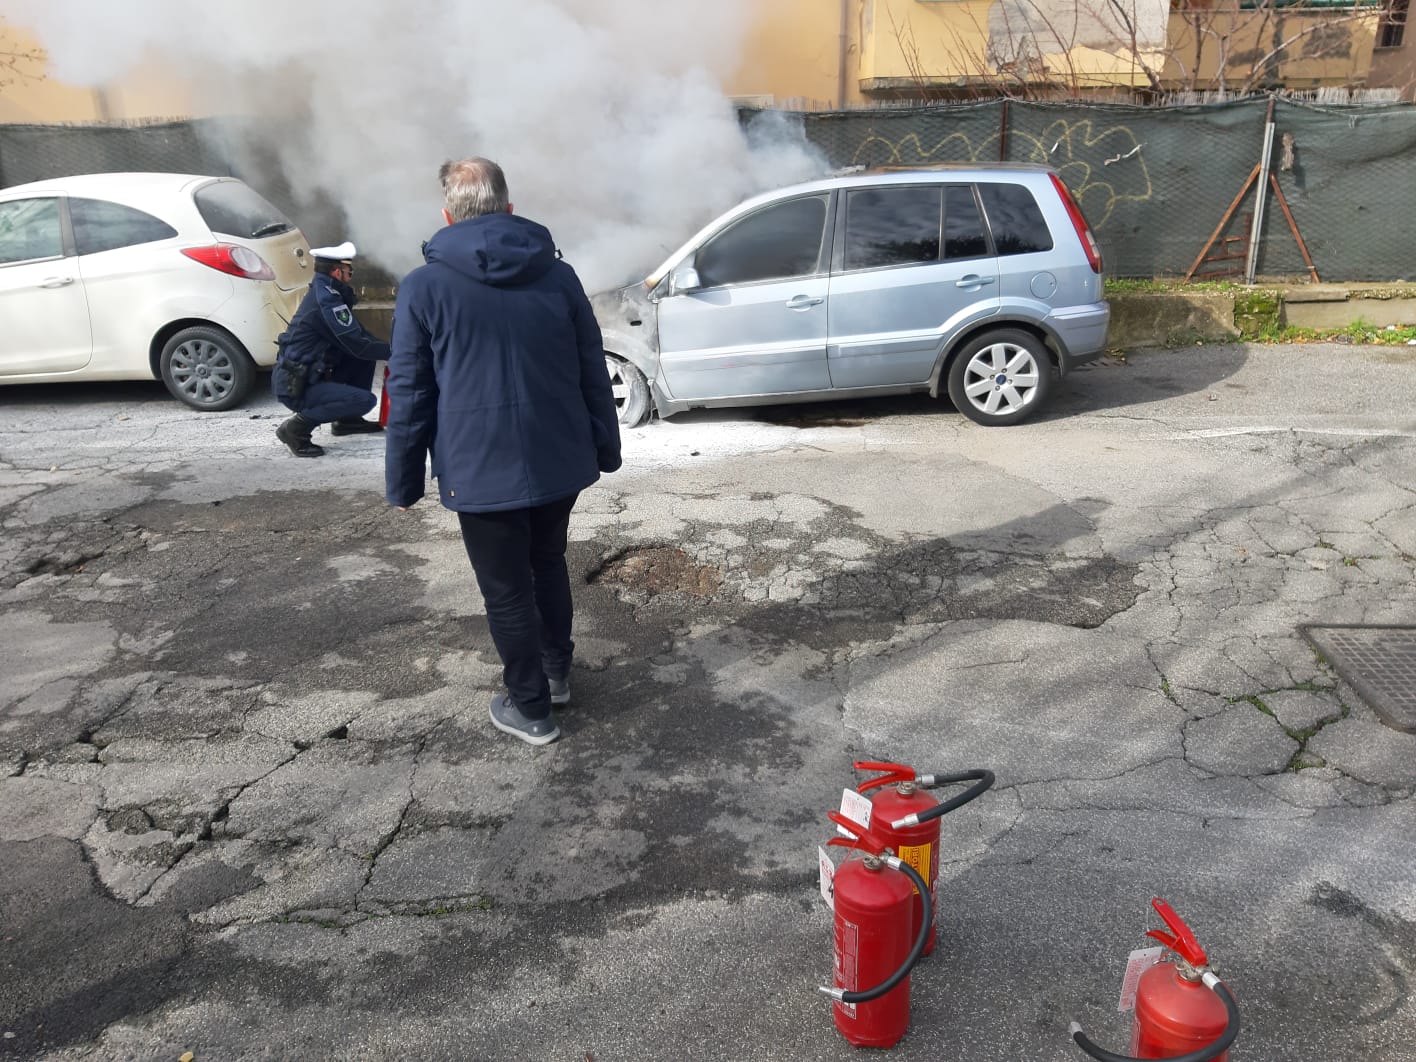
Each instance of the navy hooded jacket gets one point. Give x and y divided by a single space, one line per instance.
498 369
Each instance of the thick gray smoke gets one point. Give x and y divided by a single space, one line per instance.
608 115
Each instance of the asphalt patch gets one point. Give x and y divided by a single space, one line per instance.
73 959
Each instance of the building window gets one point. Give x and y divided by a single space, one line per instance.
1393 25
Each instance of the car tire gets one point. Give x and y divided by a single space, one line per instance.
207 369
1017 358
633 402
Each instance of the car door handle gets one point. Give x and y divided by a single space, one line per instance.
57 282
804 302
972 280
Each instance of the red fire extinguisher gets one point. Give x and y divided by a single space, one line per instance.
906 818
383 400
1184 1012
873 897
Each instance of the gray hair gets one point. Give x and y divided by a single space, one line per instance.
473 187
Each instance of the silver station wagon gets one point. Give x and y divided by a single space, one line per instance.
985 282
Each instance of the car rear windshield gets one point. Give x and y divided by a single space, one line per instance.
231 208
1013 215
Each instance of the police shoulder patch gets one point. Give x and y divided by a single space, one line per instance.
345 316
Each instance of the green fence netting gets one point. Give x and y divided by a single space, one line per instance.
1155 182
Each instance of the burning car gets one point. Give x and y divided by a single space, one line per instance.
982 281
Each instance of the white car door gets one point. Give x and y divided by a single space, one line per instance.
42 303
133 272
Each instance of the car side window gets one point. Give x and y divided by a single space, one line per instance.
964 233
897 225
1013 215
782 241
103 226
30 230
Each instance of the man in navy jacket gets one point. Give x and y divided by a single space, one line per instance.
498 370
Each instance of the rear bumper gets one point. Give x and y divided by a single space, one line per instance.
1080 332
255 322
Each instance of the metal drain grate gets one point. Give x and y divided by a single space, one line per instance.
1379 663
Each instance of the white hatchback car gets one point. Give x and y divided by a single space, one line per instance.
141 276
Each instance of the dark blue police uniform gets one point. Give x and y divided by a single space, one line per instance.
325 367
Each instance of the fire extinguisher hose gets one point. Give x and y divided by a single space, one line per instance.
982 779
927 903
1213 1050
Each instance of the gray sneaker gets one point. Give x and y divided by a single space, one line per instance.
560 690
506 716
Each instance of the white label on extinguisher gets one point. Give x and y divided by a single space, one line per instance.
847 962
1138 963
856 807
828 878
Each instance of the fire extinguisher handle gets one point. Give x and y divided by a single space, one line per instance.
927 906
1181 939
982 779
1212 1050
860 837
894 772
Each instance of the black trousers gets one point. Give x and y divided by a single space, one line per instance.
518 557
346 395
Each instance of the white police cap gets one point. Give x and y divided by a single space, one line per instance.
344 252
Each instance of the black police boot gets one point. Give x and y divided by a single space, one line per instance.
295 433
354 426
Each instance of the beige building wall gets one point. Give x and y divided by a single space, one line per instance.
940 48
1395 68
1394 65
801 51
794 53
933 48
29 94
1330 48
833 52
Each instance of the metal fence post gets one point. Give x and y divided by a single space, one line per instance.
1251 266
1003 134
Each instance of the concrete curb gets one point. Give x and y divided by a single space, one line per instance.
1175 318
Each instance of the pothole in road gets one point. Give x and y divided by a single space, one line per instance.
65 564
659 570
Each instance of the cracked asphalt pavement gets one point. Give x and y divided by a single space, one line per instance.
251 805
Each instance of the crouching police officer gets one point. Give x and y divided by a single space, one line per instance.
325 369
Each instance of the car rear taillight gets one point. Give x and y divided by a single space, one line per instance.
1084 232
232 258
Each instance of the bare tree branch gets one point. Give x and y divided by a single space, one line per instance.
14 64
1129 25
1283 46
1027 47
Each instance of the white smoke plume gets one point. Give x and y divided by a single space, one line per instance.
608 116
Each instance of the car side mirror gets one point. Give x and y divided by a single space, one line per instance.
685 278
